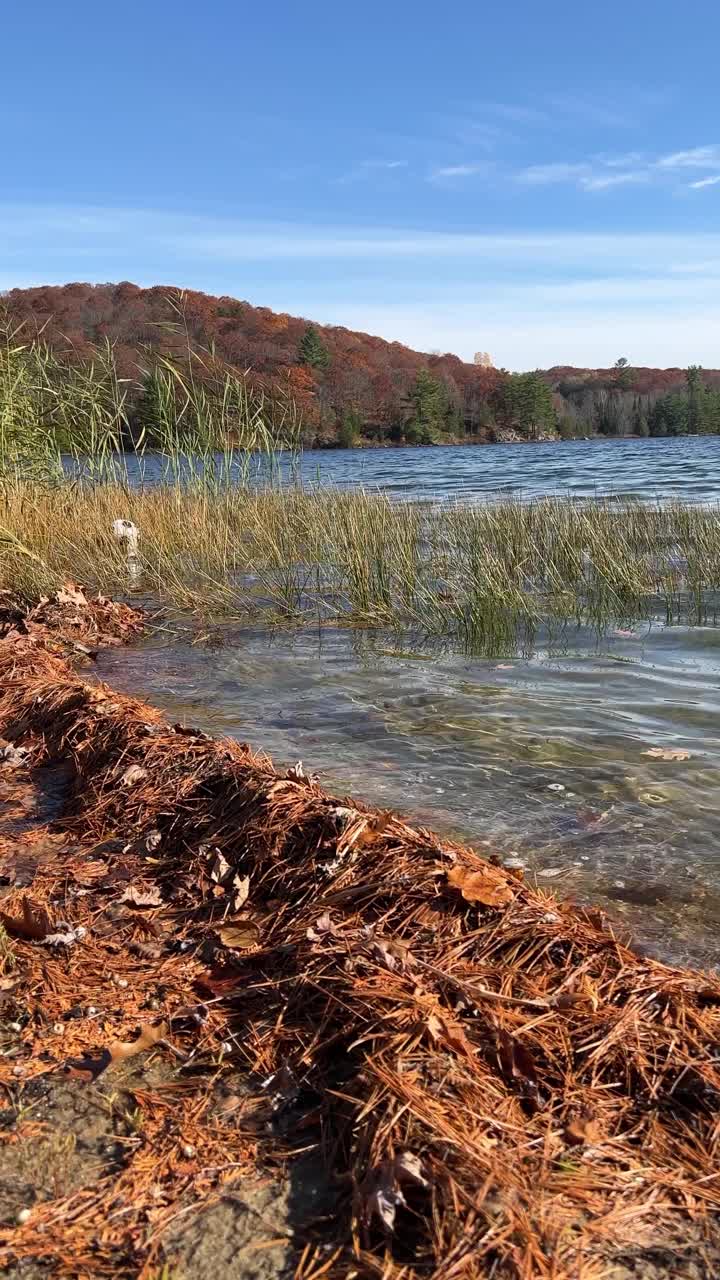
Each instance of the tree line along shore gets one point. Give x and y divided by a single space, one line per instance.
149 356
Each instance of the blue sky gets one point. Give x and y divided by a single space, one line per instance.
539 180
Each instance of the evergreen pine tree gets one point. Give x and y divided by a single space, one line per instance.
696 400
427 408
312 350
528 404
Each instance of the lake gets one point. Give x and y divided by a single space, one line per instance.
687 468
539 754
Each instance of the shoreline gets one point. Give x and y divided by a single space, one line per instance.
365 445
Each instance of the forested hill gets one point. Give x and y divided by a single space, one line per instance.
353 387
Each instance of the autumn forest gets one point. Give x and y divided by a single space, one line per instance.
352 388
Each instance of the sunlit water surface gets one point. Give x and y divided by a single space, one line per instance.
543 756
675 468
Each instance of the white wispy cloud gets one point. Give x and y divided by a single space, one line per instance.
604 172
626 160
557 171
564 110
694 158
457 171
623 110
705 182
366 168
604 181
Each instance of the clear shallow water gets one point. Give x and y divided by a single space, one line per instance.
676 468
540 755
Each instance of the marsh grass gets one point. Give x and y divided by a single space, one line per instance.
471 574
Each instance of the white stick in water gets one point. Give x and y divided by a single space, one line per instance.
127 532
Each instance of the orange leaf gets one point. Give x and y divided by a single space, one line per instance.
148 1038
583 1130
34 924
486 886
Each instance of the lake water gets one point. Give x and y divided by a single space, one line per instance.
543 754
686 468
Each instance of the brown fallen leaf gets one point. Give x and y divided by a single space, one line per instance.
484 886
219 869
583 1130
148 1038
389 952
88 871
145 950
445 1031
240 935
365 830
8 987
34 924
89 1068
241 891
322 929
134 774
382 1191
517 1064
667 753
140 895
71 593
151 928
20 864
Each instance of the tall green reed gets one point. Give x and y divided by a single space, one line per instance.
76 411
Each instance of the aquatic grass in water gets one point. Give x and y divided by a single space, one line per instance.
473 575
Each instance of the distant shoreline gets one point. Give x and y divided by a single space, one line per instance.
389 445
